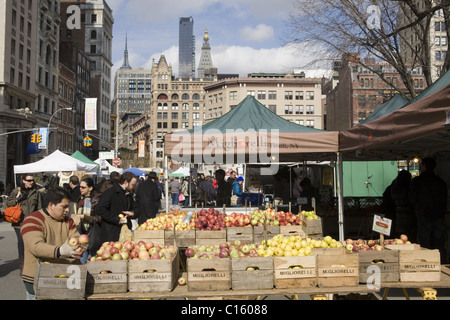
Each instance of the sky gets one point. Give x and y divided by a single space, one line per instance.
245 35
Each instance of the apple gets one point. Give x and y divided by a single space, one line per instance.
117 256
73 242
349 241
404 237
83 239
189 252
149 245
182 281
144 255
371 243
349 247
155 256
125 255
106 255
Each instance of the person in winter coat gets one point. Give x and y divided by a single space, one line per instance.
147 198
114 201
428 194
223 196
405 220
175 190
30 200
237 188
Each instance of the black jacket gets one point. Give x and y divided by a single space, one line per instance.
113 202
147 200
428 193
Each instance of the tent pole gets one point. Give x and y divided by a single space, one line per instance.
166 183
340 196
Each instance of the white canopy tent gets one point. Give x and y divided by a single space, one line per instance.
110 167
181 172
55 162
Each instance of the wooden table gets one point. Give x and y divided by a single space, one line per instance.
426 289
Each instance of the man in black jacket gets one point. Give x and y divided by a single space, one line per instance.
147 198
114 201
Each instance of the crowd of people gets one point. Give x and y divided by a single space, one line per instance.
207 190
417 207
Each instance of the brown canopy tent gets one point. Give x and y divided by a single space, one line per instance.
418 129
251 133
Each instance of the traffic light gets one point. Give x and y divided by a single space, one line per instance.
33 138
38 138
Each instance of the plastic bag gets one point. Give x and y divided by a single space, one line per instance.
125 234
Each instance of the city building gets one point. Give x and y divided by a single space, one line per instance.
186 58
176 103
291 96
94 38
66 91
360 90
437 37
206 69
18 52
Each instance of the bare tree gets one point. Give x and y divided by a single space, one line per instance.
395 32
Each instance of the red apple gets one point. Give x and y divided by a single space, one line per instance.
149 245
83 239
113 250
404 237
189 252
155 256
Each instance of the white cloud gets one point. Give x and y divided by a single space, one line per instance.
260 33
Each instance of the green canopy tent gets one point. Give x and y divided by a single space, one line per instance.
395 103
79 156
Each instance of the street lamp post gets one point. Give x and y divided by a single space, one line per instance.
48 127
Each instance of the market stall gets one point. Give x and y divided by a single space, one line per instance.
251 133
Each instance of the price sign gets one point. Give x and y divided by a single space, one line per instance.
382 225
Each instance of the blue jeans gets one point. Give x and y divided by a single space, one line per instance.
431 234
175 198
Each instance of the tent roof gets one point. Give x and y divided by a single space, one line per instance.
421 129
55 162
78 155
252 131
251 114
395 103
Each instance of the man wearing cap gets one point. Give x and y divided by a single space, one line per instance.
237 188
147 198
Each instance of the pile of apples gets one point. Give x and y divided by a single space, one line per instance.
168 221
81 243
310 215
229 249
237 220
210 219
280 246
363 245
273 218
402 240
129 250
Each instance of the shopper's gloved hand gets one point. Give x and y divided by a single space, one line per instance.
23 197
67 251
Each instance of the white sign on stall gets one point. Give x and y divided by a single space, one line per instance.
382 225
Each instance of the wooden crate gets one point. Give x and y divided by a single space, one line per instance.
295 272
337 270
154 275
420 265
208 274
411 246
57 279
259 234
155 236
386 260
243 234
260 278
209 237
107 276
297 230
314 227
185 238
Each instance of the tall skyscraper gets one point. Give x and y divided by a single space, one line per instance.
186 55
205 66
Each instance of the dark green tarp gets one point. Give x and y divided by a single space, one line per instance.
78 155
395 103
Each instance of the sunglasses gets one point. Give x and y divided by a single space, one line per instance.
81 187
32 180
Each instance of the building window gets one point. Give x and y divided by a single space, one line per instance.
272 95
233 95
309 95
310 123
93 18
288 95
287 109
93 49
298 95
174 115
299 109
310 109
261 95
251 93
273 108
